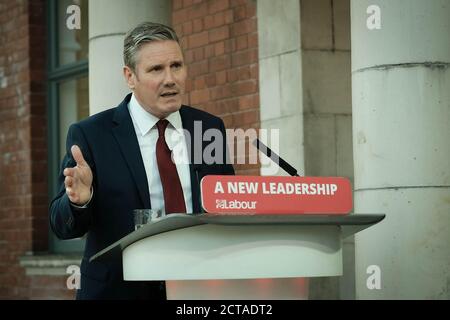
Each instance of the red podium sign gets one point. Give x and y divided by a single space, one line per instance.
271 195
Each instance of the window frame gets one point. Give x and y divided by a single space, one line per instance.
56 74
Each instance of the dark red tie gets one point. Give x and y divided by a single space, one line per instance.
173 192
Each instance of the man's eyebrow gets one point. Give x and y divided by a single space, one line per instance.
153 66
161 65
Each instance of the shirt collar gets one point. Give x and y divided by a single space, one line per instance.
146 121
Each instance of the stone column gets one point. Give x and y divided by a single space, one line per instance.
401 132
327 112
280 80
109 20
280 83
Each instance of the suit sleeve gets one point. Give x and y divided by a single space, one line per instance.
66 221
227 166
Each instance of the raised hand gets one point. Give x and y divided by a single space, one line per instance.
78 181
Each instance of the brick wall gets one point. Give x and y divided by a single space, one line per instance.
220 42
49 287
23 148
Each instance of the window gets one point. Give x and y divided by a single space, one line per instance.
68 92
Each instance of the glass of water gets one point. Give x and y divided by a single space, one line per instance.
144 216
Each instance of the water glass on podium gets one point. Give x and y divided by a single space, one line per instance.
144 216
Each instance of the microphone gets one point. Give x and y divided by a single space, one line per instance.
275 158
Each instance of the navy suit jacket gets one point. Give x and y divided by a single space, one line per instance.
109 145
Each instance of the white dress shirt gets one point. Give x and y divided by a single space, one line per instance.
147 134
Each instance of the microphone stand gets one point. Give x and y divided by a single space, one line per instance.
275 158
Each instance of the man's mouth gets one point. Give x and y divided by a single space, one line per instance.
169 94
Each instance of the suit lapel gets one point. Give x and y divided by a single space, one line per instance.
125 135
194 169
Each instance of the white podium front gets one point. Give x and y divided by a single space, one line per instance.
234 256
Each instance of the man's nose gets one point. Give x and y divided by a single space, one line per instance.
169 79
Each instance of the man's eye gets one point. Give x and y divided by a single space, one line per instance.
155 69
176 65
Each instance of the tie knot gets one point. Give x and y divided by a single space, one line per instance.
162 125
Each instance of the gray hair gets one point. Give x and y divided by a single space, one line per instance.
143 33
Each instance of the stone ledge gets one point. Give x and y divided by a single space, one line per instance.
49 264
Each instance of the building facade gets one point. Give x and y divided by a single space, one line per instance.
348 84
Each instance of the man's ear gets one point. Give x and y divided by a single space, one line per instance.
130 77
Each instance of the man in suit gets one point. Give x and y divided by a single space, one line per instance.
121 159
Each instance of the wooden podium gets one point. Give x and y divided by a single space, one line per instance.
205 256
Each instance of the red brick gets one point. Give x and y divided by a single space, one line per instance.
244 87
187 28
244 73
247 102
243 27
232 75
217 5
199 96
45 293
210 80
49 282
254 71
223 18
227 120
198 40
239 13
234 3
251 9
219 63
246 117
221 92
229 17
187 3
23 201
177 4
198 54
229 105
209 107
252 40
198 68
179 30
230 45
221 77
223 64
180 16
208 22
254 172
184 43
209 51
185 99
197 25
189 56
241 42
218 34
198 11
199 83
244 57
219 48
